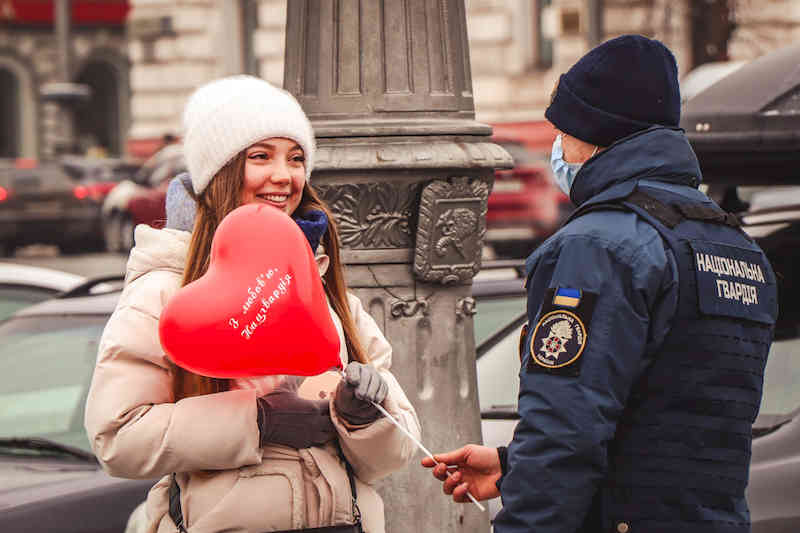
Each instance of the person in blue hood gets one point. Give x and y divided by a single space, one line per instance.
651 315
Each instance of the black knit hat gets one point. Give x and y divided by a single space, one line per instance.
620 87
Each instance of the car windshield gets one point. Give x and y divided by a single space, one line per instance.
494 313
124 171
14 297
46 366
498 374
498 367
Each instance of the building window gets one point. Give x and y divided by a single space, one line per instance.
249 26
9 114
542 45
240 17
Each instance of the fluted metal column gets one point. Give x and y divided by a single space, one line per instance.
407 170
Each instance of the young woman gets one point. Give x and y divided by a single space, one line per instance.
243 454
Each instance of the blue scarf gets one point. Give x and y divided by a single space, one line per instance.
314 225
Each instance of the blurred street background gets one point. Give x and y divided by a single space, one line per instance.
89 264
92 90
91 97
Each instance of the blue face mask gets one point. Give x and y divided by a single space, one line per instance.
564 173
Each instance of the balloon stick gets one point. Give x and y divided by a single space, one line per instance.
421 447
408 434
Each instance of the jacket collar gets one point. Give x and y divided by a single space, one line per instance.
658 153
157 249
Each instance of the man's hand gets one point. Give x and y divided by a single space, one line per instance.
472 468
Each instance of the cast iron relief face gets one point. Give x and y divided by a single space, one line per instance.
372 215
452 224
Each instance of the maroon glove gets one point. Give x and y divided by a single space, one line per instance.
285 418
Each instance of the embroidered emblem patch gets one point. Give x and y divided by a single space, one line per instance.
561 334
559 339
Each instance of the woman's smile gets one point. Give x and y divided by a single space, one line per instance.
278 200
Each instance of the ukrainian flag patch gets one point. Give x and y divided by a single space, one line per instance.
567 297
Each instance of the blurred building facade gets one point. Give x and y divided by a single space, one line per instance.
518 47
176 45
30 59
142 58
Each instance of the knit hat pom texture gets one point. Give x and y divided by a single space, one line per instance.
227 115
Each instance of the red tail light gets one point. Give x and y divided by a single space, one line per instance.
80 192
95 191
25 162
3 194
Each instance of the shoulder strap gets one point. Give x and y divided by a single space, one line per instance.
175 511
352 478
708 214
668 214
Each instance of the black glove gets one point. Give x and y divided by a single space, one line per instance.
285 418
362 384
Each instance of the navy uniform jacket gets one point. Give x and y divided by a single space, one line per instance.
568 416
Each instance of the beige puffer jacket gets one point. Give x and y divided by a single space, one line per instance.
227 482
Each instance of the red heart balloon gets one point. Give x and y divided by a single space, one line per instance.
260 309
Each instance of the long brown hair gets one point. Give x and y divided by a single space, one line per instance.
222 196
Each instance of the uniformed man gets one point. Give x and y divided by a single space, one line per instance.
651 317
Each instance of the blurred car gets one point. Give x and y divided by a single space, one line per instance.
525 206
773 489
24 285
744 127
140 200
107 170
54 202
501 303
51 479
149 206
704 76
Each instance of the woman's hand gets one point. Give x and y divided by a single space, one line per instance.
471 468
285 418
362 385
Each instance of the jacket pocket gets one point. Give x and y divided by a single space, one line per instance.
329 478
258 498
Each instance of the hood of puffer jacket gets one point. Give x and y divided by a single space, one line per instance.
162 249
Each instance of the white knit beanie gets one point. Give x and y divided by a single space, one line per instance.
227 115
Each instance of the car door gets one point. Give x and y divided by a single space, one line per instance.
500 315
